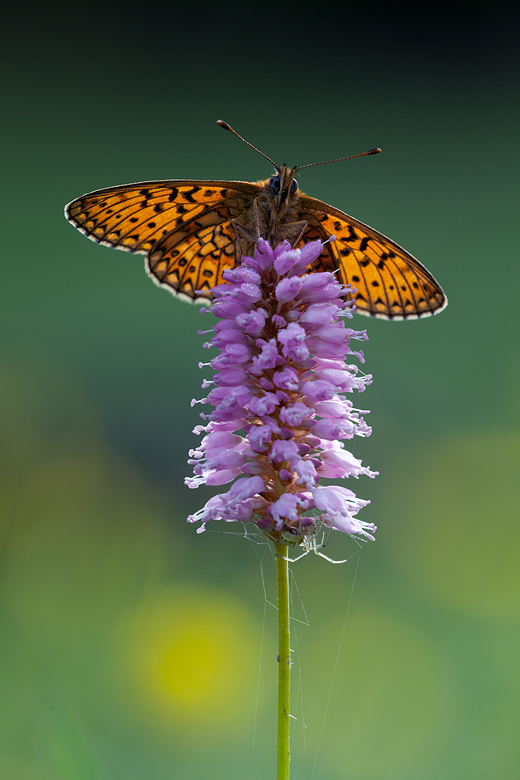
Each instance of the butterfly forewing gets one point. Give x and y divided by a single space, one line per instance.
135 216
389 282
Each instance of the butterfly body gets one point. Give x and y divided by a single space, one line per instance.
192 231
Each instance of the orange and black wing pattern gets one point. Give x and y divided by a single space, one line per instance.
184 227
390 283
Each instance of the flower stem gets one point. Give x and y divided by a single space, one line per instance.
282 571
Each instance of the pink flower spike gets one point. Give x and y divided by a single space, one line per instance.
278 396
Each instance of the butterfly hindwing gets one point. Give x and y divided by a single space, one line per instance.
390 283
190 260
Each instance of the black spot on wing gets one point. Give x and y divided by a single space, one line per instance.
188 194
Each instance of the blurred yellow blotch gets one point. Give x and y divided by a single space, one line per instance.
192 656
459 533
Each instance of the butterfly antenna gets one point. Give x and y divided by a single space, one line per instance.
340 159
228 127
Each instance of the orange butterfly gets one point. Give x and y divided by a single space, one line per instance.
192 231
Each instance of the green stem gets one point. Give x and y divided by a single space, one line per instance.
282 571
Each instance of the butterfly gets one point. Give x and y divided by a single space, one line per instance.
192 231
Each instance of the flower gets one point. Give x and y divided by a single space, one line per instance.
279 392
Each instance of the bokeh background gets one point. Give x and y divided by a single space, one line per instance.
134 648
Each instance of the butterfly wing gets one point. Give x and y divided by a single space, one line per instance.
185 227
390 283
190 259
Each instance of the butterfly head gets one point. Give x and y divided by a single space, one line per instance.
283 184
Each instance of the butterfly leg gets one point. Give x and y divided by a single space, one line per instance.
302 231
257 219
238 247
291 229
245 240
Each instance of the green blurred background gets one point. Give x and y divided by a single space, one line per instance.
132 646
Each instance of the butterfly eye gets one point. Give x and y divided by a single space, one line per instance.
274 184
294 186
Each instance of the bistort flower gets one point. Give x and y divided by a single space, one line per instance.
279 392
